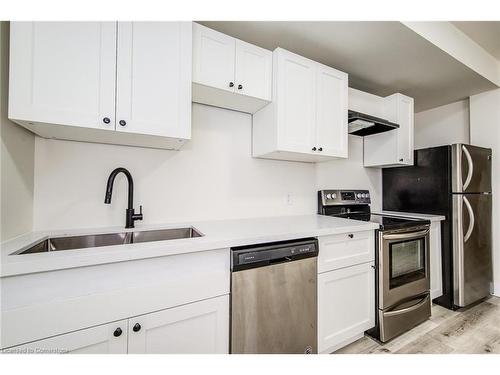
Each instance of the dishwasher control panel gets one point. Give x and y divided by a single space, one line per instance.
260 255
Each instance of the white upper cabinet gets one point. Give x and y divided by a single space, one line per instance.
331 109
69 79
395 147
307 119
213 58
296 113
63 73
228 72
253 70
153 68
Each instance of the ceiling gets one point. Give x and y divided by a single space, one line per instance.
484 33
381 57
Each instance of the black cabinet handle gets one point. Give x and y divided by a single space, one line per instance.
350 235
117 332
240 87
320 149
106 120
231 84
373 266
401 160
136 327
123 122
314 148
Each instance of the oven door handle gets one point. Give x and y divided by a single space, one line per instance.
405 236
408 309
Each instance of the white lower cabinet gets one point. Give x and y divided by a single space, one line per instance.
108 338
196 328
346 305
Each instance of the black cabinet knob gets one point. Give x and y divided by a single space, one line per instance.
401 160
314 148
117 332
106 120
136 327
231 84
351 235
123 122
240 87
320 149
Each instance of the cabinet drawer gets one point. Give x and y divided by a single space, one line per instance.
346 249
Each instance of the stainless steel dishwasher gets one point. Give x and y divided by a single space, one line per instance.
274 297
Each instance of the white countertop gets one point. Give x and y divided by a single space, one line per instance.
412 215
218 234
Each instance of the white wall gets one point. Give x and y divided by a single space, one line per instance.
350 174
17 154
212 177
485 131
442 125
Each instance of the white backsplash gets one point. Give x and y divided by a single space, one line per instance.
212 177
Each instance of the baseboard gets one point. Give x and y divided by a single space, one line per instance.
496 289
346 342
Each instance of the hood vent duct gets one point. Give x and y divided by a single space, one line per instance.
362 124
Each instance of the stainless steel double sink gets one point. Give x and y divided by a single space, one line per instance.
109 239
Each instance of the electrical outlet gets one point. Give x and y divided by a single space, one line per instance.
289 199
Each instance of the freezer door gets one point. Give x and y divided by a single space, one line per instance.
471 169
472 238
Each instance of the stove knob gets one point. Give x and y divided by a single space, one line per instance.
363 195
359 195
328 196
368 195
334 196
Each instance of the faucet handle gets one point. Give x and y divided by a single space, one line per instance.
137 216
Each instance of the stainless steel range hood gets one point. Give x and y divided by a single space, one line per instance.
362 124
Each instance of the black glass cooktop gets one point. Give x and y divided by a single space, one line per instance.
385 222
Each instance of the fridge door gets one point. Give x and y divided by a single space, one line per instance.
472 238
471 169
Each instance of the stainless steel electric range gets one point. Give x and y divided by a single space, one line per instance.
402 274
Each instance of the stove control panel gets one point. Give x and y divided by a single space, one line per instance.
343 197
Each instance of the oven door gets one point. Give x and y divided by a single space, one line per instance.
403 265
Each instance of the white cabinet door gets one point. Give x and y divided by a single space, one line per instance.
153 94
199 327
254 68
213 58
346 305
104 339
405 134
393 148
63 73
296 98
331 112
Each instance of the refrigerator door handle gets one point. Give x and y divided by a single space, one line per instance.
471 219
470 165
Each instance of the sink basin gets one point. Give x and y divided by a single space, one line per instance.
109 239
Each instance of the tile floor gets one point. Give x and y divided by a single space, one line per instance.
469 331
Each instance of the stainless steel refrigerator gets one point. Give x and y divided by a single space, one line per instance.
454 181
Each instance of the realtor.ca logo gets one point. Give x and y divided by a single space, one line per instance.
34 351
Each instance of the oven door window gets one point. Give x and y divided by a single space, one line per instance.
406 262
